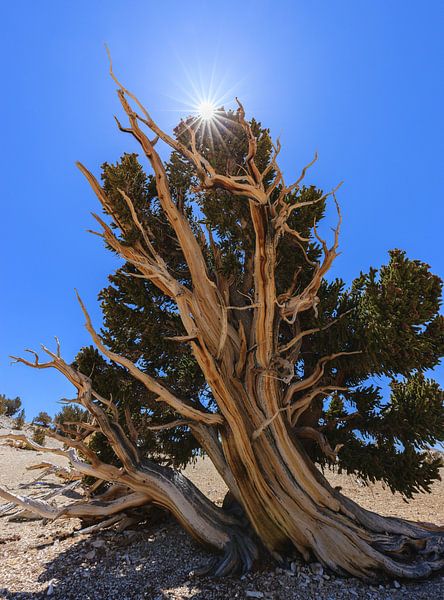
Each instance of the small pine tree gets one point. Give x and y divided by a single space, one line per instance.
69 413
20 420
39 436
9 407
42 419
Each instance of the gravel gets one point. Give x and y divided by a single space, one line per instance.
41 560
156 562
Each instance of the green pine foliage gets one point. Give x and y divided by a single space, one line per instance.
19 421
389 315
9 406
42 419
39 436
70 413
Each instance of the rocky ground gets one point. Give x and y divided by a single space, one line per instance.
40 560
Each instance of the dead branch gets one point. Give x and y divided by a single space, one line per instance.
321 440
257 432
298 407
297 338
76 509
170 425
315 376
50 468
151 384
7 508
308 297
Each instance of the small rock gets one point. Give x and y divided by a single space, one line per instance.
293 567
254 594
50 590
98 543
131 534
317 569
397 584
90 555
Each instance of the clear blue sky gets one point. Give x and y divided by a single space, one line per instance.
360 81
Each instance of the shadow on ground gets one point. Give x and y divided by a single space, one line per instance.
155 563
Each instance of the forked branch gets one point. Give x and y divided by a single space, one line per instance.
308 298
314 377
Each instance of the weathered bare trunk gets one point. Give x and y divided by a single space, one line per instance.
292 505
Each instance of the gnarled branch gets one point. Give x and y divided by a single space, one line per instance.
308 297
321 440
151 384
314 377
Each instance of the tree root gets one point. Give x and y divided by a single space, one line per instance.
402 548
238 557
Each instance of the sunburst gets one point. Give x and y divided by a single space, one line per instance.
207 110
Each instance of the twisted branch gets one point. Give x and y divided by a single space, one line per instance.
150 383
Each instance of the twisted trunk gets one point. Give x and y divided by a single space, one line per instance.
290 504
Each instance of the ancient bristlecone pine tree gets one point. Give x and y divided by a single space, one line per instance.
221 328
